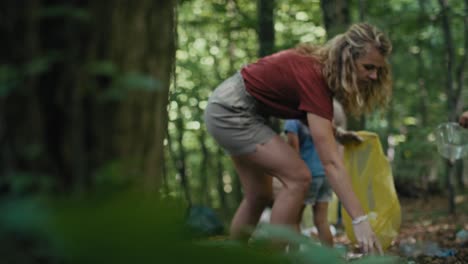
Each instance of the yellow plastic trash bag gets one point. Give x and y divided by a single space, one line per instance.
372 181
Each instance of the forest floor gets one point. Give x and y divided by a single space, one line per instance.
428 234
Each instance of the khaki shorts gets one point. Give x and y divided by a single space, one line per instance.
232 118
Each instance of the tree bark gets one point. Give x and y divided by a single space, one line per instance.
336 16
450 58
460 75
204 186
362 10
266 38
266 26
60 110
181 160
220 183
449 90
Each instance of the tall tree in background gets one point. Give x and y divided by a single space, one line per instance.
163 15
266 27
461 77
336 16
266 38
359 124
362 10
337 19
453 74
84 90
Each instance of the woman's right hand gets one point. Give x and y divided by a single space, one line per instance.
366 237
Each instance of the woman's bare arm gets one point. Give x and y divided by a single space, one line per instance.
321 131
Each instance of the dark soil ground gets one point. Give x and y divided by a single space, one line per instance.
426 222
428 230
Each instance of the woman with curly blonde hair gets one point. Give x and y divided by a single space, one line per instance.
338 56
298 83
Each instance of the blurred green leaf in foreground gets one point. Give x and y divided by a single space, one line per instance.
131 228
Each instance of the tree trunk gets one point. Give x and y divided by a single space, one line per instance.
424 96
450 59
204 186
459 169
181 160
449 90
90 91
20 120
362 10
336 16
460 75
220 183
237 188
449 184
266 27
266 38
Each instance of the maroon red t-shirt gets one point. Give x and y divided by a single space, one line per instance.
288 85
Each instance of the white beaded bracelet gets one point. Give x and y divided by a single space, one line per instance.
359 219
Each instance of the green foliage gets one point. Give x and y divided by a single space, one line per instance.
129 82
127 227
111 176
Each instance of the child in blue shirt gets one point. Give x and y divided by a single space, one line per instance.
320 192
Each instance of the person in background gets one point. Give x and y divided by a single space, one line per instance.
299 83
320 192
463 121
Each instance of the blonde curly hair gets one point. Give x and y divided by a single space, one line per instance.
338 57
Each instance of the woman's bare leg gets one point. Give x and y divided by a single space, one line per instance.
258 194
278 159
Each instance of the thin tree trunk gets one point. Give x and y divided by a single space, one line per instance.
336 16
451 100
178 156
460 74
459 168
165 182
424 95
451 190
181 160
237 188
266 26
450 58
220 182
204 186
266 38
360 124
362 10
